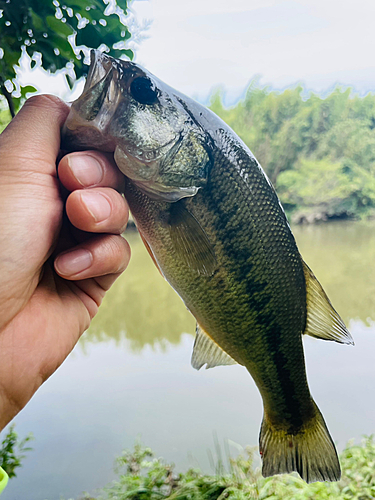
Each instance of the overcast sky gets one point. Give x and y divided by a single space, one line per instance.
197 45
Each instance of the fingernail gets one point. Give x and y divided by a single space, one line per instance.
97 205
73 262
86 169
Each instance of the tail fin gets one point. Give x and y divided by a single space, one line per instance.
310 452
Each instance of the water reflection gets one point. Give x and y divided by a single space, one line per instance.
342 255
144 309
104 396
141 307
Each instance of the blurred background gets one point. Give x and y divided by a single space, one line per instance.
295 80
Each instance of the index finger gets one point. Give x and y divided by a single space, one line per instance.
33 136
87 169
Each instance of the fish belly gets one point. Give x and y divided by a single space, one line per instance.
254 304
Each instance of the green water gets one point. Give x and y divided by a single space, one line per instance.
143 308
342 256
130 375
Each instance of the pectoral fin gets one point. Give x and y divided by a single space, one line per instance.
150 252
190 240
323 322
206 351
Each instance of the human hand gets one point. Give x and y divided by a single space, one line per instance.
54 271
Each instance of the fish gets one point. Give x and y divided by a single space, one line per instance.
215 228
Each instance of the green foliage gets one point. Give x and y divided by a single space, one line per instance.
144 477
327 191
359 465
319 153
141 476
4 116
59 32
13 450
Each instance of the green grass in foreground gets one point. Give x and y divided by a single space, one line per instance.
141 476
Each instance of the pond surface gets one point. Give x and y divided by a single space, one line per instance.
130 377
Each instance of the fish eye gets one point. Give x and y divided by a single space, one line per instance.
143 90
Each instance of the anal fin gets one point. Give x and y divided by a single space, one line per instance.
323 322
207 351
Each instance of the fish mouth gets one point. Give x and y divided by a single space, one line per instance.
92 112
101 66
87 127
101 92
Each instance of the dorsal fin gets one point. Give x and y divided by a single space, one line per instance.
190 240
322 322
206 351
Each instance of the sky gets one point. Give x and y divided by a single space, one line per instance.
199 45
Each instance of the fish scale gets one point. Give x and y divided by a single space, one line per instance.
252 299
215 228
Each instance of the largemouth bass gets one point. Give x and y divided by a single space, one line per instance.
215 228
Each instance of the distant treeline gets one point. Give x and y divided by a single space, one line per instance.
318 152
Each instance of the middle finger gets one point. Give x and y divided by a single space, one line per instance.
97 210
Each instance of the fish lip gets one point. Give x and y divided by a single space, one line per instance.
103 70
100 66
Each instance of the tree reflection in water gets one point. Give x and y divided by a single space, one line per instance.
144 309
141 307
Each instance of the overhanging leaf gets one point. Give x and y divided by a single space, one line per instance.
37 20
58 26
89 36
63 46
28 89
35 26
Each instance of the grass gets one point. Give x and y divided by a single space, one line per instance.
142 476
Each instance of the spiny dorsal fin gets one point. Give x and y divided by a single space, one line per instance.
206 351
323 322
190 241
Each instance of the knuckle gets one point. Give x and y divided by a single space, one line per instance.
120 211
119 251
113 176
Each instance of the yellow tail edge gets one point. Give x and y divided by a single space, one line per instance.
310 452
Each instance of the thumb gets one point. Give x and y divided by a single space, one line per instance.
37 129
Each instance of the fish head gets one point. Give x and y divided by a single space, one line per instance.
156 141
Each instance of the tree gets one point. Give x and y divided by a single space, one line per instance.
318 152
57 34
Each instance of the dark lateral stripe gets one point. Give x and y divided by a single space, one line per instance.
219 202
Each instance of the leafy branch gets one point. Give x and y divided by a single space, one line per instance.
57 36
